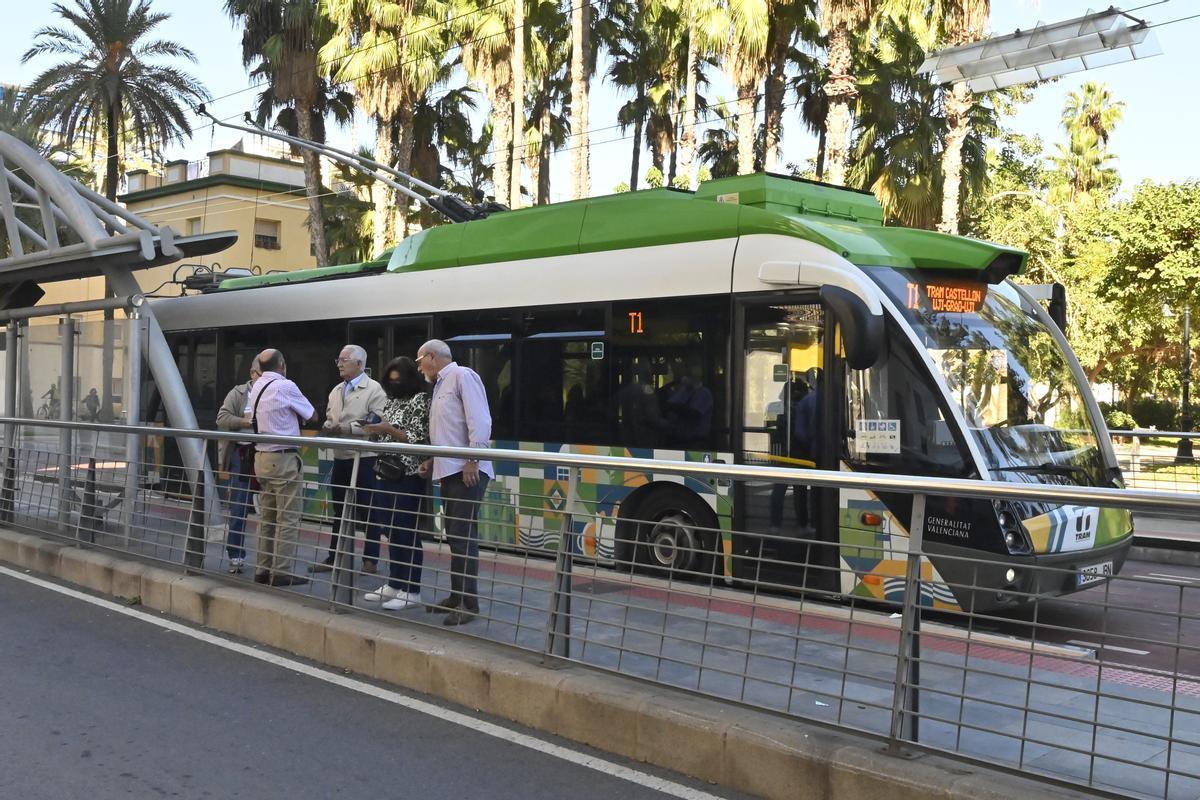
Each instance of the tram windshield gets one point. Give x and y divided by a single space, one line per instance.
1007 373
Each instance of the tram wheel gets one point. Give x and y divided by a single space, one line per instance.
671 533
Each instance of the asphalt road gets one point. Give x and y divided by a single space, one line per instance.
101 705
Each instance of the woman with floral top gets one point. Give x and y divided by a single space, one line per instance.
405 419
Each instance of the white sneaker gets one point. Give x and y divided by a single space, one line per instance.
384 592
401 601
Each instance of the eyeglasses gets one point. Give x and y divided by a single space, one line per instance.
421 356
337 362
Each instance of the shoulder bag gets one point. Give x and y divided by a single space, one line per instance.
390 466
246 451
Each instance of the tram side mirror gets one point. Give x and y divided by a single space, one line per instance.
1057 307
862 331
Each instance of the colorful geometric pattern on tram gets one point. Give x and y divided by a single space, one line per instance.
526 504
874 559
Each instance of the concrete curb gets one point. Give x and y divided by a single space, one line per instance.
736 748
1165 551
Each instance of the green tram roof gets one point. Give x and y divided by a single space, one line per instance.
846 221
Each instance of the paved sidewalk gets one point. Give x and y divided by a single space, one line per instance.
1038 710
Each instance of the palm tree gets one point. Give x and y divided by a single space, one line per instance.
628 44
705 23
549 60
1092 110
108 85
519 36
348 215
902 125
391 52
472 168
965 23
745 55
788 21
440 125
809 87
16 122
283 38
841 19
582 65
484 28
720 148
1089 117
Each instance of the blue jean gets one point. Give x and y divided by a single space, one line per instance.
396 506
364 500
238 498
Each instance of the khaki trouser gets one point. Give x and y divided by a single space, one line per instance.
281 478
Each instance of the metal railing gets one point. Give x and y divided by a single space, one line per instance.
1149 464
883 630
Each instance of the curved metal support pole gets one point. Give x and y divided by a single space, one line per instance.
174 394
59 188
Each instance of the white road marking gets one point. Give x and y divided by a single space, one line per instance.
1129 650
481 726
1185 578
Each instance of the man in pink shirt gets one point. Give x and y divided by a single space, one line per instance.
458 417
277 407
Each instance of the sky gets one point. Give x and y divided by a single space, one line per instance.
1154 141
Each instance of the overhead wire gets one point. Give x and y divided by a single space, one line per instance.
507 31
1172 21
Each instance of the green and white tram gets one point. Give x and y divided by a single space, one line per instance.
758 320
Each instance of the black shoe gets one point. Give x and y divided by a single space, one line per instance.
323 566
459 617
262 577
287 580
445 605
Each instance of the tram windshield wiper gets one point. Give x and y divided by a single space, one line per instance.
1051 468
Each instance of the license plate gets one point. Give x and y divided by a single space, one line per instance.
1094 572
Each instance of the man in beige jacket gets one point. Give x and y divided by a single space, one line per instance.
238 461
356 399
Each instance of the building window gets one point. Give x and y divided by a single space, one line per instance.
195 226
266 234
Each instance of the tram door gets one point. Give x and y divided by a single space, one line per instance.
784 422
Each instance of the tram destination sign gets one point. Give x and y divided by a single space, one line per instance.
952 297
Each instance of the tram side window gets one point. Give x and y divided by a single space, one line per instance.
196 357
310 349
895 420
483 341
493 361
563 377
669 373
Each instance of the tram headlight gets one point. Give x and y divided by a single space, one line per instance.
1016 540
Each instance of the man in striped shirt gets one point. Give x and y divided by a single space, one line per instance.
278 407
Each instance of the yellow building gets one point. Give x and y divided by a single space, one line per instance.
260 197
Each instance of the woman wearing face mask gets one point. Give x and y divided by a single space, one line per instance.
398 497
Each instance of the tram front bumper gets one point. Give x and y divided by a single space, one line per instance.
985 582
1052 574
